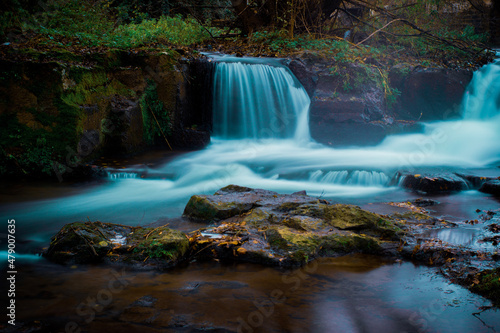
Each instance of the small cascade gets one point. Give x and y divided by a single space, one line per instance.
368 178
257 101
121 175
356 177
482 98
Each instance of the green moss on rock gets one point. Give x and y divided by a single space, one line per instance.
90 242
489 285
162 243
202 207
337 244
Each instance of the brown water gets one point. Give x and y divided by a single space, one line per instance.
357 293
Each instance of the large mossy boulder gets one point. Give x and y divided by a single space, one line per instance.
233 200
244 224
91 242
284 230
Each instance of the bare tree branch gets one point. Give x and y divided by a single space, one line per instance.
373 33
408 23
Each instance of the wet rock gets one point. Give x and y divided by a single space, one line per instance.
421 202
206 208
306 77
429 93
476 179
486 283
285 230
90 242
491 187
233 200
432 183
300 193
187 138
122 129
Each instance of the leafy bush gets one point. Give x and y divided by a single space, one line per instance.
103 23
169 30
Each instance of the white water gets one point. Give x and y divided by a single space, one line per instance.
249 153
482 100
259 101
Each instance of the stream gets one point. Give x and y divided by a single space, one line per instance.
261 140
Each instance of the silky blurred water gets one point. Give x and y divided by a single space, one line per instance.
262 140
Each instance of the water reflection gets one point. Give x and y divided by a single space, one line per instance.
348 294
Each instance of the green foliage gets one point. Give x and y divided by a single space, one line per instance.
105 23
38 157
437 20
32 149
169 30
392 97
155 117
13 15
346 85
135 11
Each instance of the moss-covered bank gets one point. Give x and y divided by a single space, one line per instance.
58 115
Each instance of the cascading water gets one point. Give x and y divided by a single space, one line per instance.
258 101
262 141
482 98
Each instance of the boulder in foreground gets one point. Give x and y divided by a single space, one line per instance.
265 227
91 242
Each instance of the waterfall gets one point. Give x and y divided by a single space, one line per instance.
482 98
258 101
250 98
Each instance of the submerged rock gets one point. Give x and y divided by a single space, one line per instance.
90 242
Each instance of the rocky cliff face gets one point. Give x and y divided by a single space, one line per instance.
58 115
355 104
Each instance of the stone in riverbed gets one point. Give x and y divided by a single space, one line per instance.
233 200
289 230
250 225
486 283
491 187
433 183
89 242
